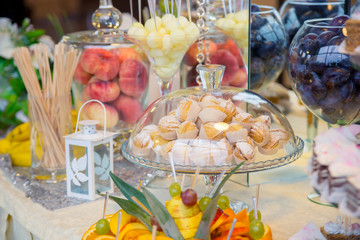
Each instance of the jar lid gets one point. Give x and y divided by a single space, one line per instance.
106 20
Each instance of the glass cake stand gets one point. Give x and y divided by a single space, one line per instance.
211 170
220 109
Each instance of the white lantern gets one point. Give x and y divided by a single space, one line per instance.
89 159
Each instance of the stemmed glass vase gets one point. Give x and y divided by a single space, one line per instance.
165 41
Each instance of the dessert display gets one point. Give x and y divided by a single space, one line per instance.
335 168
211 129
295 12
321 76
209 132
142 213
333 230
268 42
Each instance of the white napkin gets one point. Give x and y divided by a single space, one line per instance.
309 232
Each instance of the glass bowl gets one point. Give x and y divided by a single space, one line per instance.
212 127
295 12
268 43
322 76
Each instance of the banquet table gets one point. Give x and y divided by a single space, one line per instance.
283 201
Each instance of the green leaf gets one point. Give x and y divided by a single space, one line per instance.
129 191
17 85
134 210
163 217
225 179
206 219
34 34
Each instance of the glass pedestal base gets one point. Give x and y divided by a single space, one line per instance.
47 175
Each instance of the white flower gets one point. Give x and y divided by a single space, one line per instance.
6 26
6 46
47 40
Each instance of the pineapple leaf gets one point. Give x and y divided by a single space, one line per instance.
162 216
225 179
129 191
133 209
207 217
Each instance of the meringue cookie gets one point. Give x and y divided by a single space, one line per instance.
187 130
188 110
168 126
260 133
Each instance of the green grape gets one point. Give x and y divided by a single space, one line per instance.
252 216
204 201
223 202
174 189
256 229
102 227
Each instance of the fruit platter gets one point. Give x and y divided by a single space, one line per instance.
143 216
215 129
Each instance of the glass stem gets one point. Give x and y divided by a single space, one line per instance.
165 86
312 129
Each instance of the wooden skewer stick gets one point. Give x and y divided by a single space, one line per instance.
189 9
141 205
118 225
105 203
257 195
255 208
183 181
195 177
139 187
231 229
173 166
153 235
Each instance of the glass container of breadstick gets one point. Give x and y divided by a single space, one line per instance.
49 107
112 70
215 127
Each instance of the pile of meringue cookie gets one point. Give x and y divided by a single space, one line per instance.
208 131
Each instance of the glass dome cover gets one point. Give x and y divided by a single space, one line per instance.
214 128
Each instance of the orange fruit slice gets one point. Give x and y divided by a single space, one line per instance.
105 237
90 234
267 233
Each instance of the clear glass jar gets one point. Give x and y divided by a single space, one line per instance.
112 70
268 44
323 76
47 145
295 12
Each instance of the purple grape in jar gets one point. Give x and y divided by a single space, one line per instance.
336 40
334 76
324 37
257 21
307 47
339 20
